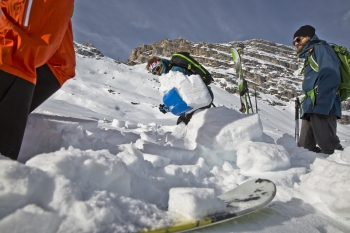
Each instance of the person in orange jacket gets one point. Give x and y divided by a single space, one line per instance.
37 58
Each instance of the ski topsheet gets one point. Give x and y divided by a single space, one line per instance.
241 82
244 199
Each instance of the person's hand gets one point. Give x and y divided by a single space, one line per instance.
164 109
333 117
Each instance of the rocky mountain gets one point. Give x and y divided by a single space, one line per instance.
269 68
88 50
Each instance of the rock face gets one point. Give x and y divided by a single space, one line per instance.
269 68
88 50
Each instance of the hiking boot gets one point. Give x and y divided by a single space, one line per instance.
316 149
340 148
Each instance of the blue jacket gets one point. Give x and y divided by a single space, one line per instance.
327 80
165 63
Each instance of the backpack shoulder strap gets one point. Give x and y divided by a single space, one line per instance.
313 64
310 60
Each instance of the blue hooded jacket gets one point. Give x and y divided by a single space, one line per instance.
165 64
327 80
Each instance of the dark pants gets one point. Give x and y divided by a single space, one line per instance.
322 130
18 98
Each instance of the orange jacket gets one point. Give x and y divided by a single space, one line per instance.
35 32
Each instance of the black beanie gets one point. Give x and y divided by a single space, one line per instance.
307 31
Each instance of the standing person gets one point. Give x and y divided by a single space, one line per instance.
159 66
321 106
37 57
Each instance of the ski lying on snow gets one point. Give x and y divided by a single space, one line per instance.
244 199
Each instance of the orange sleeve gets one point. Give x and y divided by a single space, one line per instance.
31 33
62 62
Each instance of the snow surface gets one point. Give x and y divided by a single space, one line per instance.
100 157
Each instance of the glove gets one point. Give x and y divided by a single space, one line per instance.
164 109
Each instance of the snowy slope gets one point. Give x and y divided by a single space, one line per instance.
100 157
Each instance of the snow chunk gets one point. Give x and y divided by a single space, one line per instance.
132 157
176 155
31 218
328 182
191 88
261 157
194 203
118 123
222 129
157 161
20 185
90 169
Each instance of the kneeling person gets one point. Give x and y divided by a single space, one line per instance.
159 66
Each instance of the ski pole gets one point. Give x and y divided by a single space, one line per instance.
256 101
250 102
297 105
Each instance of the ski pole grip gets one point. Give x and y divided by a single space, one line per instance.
297 106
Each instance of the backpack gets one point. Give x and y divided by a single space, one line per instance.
184 60
344 57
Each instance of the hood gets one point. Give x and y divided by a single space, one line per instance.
165 64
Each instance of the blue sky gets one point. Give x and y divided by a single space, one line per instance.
117 26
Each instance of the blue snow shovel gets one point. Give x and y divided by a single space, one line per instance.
174 103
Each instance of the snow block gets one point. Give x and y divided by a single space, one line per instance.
194 203
328 184
36 218
222 129
262 157
90 169
118 123
175 103
157 161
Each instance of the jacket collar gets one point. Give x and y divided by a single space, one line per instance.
314 40
165 64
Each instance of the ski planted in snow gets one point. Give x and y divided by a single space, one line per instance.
242 200
246 103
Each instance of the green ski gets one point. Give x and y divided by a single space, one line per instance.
246 103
